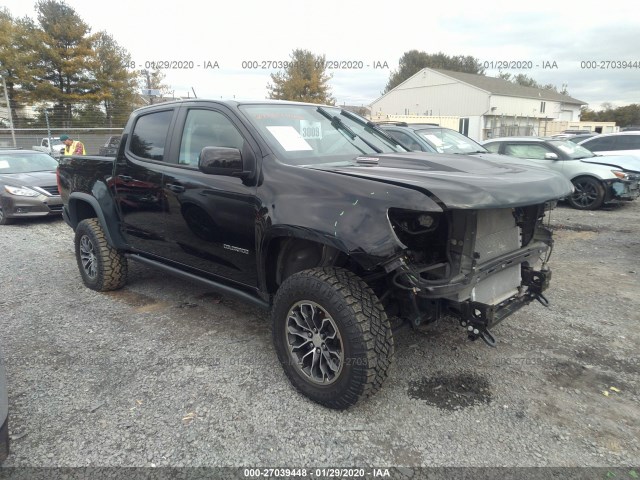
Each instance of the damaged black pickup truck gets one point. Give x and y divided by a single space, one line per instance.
312 212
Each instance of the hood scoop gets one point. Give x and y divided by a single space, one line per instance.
367 160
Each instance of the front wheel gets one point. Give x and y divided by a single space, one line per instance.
332 336
4 220
102 267
588 194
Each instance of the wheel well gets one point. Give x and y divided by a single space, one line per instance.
287 256
81 211
599 180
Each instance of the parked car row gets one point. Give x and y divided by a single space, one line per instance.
597 179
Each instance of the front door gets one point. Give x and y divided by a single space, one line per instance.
210 219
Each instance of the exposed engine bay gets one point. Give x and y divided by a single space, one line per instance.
477 265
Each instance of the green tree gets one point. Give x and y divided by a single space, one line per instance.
114 85
17 58
624 116
65 54
304 80
413 61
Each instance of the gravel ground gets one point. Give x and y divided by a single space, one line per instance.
167 373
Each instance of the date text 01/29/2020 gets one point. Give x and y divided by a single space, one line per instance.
316 472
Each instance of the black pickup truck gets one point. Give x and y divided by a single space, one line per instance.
315 214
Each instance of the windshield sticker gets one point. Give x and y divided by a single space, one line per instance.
432 138
289 138
4 164
310 130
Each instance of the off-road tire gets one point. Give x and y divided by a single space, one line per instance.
101 266
588 195
363 326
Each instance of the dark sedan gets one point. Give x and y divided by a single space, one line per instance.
28 186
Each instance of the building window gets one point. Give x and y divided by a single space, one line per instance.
542 106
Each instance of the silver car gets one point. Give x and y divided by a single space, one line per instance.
597 179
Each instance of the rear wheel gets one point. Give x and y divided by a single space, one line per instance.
588 195
102 267
332 336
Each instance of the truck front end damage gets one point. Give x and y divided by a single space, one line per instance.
477 265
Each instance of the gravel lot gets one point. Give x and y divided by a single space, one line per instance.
167 373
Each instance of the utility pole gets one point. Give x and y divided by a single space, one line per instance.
6 99
46 117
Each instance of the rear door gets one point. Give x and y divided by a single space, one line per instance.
536 152
137 183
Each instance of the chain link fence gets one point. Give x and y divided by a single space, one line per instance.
26 138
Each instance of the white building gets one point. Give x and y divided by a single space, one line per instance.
487 106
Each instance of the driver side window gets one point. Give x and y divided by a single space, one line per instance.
206 128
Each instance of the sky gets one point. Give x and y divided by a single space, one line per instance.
582 44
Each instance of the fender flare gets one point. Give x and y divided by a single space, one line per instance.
109 221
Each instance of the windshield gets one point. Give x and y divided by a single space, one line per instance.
308 134
450 141
26 162
573 151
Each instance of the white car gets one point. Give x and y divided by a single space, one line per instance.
621 143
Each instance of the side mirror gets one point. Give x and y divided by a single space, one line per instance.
222 161
550 156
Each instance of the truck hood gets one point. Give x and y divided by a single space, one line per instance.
461 181
625 162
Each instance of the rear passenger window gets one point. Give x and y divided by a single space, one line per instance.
628 142
150 135
536 152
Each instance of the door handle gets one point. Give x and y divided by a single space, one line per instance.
175 187
125 178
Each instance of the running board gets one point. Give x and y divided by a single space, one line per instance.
218 287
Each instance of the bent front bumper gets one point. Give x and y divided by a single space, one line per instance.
625 189
435 289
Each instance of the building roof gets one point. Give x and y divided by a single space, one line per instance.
498 86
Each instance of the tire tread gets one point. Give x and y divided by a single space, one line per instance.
112 264
367 315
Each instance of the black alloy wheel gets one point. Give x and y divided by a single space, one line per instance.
588 195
